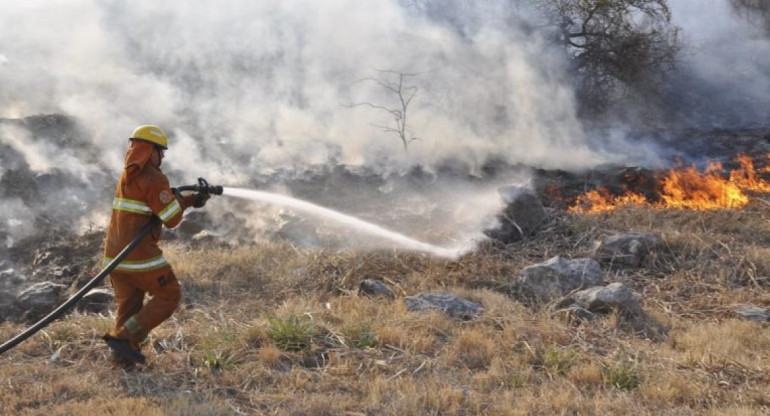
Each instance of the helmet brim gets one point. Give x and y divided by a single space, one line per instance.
149 141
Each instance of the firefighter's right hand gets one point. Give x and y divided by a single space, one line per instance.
200 199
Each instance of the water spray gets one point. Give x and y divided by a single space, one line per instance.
402 240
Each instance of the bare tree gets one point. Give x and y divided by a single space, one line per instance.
618 46
395 83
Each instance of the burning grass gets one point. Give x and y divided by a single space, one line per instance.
684 188
270 329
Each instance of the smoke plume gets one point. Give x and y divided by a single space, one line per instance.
252 91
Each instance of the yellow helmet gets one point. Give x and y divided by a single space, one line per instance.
152 134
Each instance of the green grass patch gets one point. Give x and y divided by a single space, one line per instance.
623 376
291 334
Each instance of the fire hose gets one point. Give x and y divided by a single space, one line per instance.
201 187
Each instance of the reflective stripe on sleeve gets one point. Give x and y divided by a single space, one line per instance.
137 265
171 209
131 205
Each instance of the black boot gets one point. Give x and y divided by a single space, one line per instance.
123 351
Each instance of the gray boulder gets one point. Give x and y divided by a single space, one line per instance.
607 298
753 313
559 276
375 288
96 300
452 305
38 300
630 249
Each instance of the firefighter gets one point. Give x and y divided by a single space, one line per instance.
143 190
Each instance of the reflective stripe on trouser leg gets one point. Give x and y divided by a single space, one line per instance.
136 334
132 325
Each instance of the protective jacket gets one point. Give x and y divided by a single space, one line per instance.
142 190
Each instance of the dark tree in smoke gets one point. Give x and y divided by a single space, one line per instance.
755 11
620 48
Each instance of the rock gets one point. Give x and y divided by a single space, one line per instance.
627 249
38 300
753 313
558 276
96 301
454 306
375 288
521 217
606 298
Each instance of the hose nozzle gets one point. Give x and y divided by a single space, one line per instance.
202 187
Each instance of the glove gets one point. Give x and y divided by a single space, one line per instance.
200 199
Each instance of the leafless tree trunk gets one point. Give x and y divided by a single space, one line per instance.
395 83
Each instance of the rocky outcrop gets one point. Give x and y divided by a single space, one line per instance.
38 300
452 305
559 276
753 313
630 249
96 301
375 288
602 299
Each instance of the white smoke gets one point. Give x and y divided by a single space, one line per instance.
252 88
44 156
724 65
266 85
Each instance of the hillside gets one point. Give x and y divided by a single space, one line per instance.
269 328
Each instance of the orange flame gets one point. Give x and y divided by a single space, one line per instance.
686 188
746 176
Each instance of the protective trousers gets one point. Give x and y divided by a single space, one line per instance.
135 319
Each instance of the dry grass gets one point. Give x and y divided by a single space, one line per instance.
222 354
